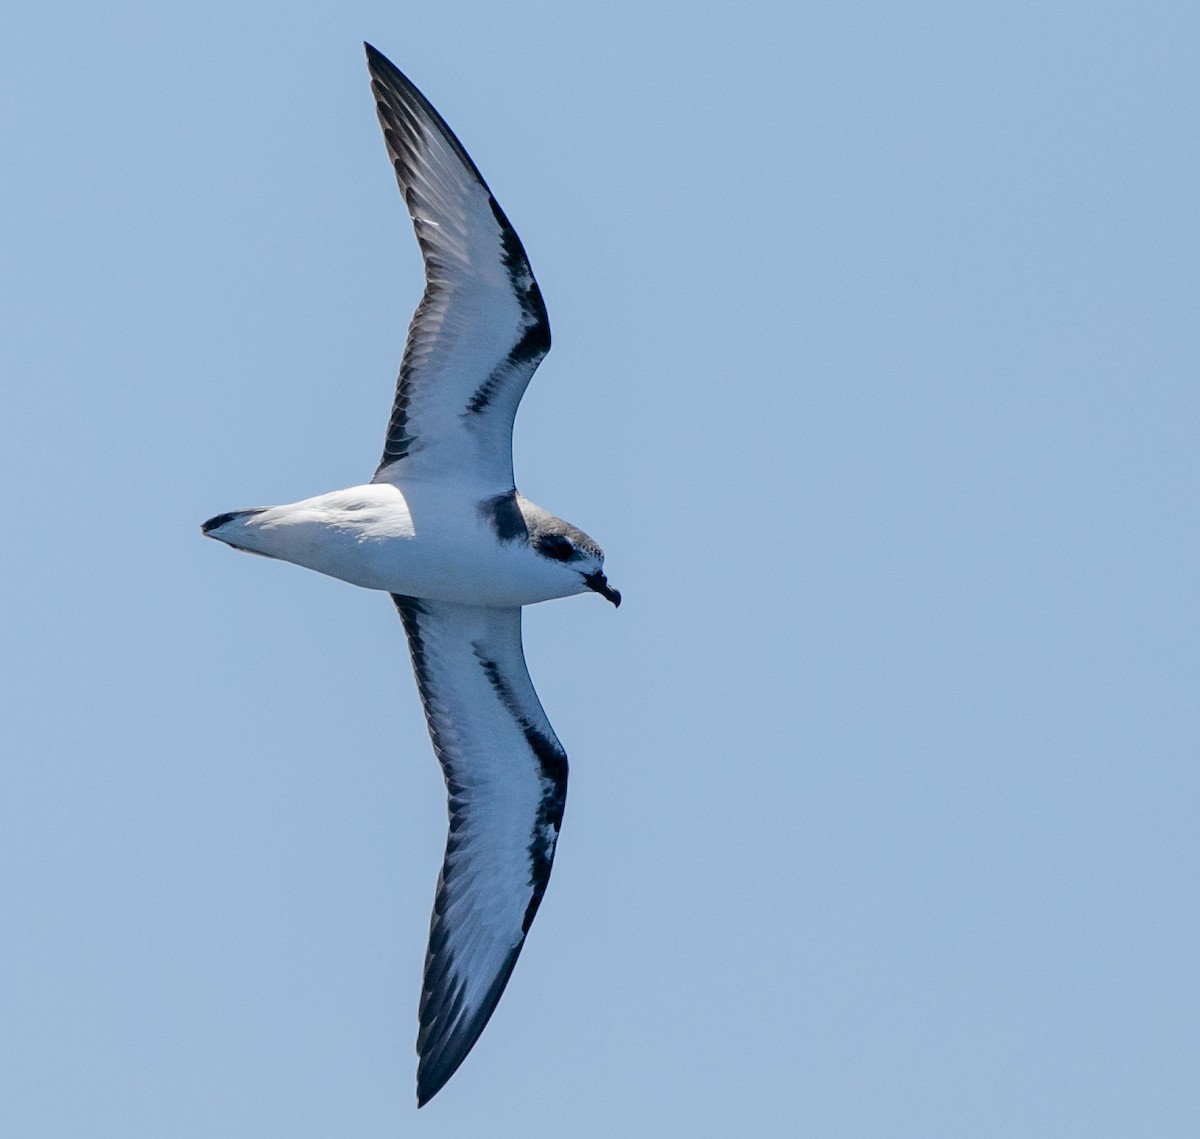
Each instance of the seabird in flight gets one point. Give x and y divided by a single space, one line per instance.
442 528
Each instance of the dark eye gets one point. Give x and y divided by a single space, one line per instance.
557 547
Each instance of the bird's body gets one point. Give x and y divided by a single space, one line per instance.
424 539
442 528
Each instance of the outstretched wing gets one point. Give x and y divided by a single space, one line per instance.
506 775
481 327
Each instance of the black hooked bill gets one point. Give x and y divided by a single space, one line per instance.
599 583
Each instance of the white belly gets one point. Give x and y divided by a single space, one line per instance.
422 542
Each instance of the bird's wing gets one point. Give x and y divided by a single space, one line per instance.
481 327
506 775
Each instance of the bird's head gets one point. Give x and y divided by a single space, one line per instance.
575 551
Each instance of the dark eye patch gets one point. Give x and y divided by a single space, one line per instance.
557 547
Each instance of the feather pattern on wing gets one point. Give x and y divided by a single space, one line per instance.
481 329
506 776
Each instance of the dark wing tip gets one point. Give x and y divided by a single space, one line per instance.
378 63
382 69
385 72
391 84
447 1034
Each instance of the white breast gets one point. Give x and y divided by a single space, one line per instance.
423 541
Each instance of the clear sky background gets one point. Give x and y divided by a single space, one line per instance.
876 373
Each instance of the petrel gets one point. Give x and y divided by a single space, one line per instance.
442 528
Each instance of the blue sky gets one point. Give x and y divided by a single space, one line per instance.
875 372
